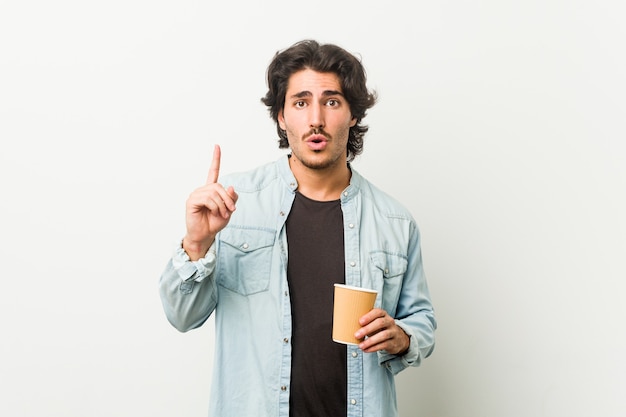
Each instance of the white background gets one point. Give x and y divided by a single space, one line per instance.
500 125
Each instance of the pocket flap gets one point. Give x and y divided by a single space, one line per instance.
247 240
390 264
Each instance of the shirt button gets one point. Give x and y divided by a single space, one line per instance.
351 226
245 246
286 293
286 340
282 214
345 193
352 263
283 388
386 271
354 354
353 401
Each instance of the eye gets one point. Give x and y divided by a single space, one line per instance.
299 104
332 102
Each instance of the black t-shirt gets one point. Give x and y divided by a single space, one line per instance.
316 262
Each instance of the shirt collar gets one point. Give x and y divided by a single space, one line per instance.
290 180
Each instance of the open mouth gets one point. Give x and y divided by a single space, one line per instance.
317 142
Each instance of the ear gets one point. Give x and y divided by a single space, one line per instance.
281 120
353 122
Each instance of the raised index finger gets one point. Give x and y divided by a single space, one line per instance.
214 170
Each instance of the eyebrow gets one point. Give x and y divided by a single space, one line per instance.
326 93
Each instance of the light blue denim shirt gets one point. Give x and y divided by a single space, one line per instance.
243 279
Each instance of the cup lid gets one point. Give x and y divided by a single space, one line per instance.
352 287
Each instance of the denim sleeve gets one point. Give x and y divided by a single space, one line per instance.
187 289
415 314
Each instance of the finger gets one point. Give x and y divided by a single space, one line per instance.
214 170
222 202
372 322
379 341
379 337
230 191
222 209
371 316
211 197
226 199
392 339
371 329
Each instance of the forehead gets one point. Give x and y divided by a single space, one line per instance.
307 80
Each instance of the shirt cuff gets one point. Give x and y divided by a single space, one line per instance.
193 270
396 363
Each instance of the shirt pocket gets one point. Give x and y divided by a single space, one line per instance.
389 269
245 259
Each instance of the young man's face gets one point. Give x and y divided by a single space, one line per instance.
317 119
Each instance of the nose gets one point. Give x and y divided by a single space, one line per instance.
316 116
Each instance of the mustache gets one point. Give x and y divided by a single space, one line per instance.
317 131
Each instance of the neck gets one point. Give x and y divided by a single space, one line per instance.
321 184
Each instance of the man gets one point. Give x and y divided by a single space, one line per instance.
264 249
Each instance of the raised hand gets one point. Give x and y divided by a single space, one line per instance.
208 211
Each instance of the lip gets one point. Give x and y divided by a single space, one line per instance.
317 142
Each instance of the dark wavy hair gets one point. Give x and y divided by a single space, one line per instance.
309 54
